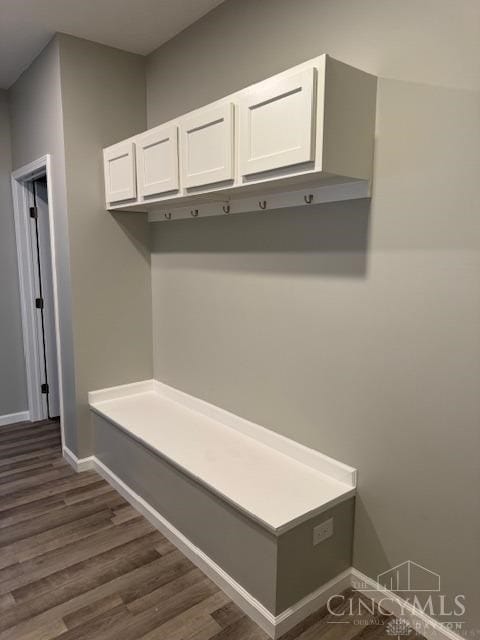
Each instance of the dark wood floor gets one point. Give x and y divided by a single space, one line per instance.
77 562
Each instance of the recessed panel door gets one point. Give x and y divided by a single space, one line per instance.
120 175
207 140
277 123
157 161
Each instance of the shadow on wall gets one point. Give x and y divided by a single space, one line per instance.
136 228
330 239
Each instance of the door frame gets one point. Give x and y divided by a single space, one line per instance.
22 180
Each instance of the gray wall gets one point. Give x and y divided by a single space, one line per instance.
103 98
36 120
13 391
353 329
76 98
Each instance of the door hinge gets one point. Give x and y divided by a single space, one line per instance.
44 388
39 303
33 212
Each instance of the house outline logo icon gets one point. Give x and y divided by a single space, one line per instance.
403 577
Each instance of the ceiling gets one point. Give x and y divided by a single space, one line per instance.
139 26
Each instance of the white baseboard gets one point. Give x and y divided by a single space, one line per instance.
274 626
12 418
79 464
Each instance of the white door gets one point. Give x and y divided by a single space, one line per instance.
120 175
277 123
157 161
44 300
207 146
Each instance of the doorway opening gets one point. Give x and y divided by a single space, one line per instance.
34 229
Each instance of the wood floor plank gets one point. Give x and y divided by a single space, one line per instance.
31 578
25 446
78 594
91 492
21 427
148 620
179 627
95 627
80 591
34 480
24 470
146 597
174 565
84 614
51 521
227 615
54 539
10 461
51 488
77 562
242 629
27 434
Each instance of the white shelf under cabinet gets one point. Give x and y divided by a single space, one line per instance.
311 126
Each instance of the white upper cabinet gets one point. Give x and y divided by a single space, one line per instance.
207 138
277 127
157 161
312 125
119 167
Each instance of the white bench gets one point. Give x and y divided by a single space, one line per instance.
205 469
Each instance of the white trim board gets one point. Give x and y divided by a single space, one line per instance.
12 418
274 626
266 201
20 179
78 464
310 457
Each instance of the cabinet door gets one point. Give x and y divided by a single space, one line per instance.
157 161
120 178
277 123
207 146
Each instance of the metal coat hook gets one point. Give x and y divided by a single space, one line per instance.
194 213
262 204
168 216
308 199
226 208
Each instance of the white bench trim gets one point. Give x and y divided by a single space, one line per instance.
334 481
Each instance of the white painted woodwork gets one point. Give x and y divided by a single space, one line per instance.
277 123
263 202
207 146
309 127
120 174
157 161
288 483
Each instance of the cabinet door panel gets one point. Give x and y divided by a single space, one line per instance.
277 123
157 161
120 176
207 146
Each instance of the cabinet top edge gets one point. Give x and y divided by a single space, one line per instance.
319 62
